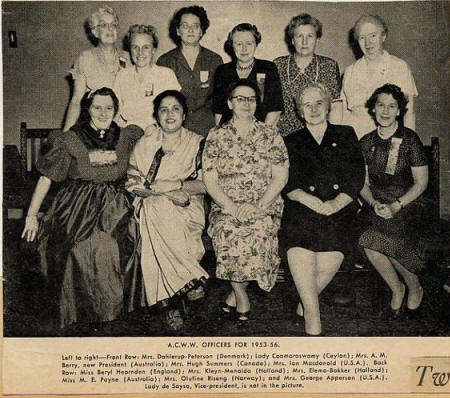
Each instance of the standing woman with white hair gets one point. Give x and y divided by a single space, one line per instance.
374 69
96 67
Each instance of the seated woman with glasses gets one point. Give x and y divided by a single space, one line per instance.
245 167
241 44
194 66
97 67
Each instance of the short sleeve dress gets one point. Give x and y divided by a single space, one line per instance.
245 250
320 70
196 85
389 164
324 170
82 236
92 66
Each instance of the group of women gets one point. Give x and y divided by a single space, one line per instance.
272 143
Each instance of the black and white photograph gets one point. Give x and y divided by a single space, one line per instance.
213 169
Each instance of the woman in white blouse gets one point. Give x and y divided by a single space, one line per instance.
374 69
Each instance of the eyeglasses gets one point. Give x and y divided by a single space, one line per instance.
186 26
104 25
242 100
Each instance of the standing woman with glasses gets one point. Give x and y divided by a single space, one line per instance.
193 65
97 67
241 43
304 67
245 167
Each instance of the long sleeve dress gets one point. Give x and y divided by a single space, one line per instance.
264 74
325 170
81 238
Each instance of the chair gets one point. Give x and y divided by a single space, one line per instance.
19 171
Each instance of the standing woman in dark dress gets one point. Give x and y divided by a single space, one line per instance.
242 42
193 65
325 176
81 237
397 174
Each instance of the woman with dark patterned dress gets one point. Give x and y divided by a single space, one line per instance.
397 174
325 177
245 167
81 238
302 68
242 43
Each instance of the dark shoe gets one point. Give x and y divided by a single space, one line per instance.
196 294
395 312
173 320
227 309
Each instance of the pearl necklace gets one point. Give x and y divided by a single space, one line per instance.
245 68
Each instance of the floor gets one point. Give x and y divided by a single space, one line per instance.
273 314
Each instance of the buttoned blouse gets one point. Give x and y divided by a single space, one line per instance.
136 98
264 74
359 84
324 170
91 65
196 85
320 70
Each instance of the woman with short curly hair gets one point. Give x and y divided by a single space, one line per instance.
138 86
194 65
303 67
241 44
98 66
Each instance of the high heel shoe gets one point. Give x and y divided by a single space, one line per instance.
395 312
300 312
413 305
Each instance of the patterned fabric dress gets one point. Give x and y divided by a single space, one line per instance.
245 250
320 70
390 179
82 237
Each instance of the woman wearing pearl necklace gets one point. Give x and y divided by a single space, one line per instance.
241 44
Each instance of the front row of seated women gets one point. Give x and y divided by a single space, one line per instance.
106 251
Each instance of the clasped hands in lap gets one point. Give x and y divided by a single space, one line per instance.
245 212
170 189
326 208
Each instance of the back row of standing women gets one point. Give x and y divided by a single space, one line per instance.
244 167
204 80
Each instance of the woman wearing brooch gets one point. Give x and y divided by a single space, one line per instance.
325 177
194 66
137 87
241 43
165 176
375 68
81 238
96 67
304 67
397 174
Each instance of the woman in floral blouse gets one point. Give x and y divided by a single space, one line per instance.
245 166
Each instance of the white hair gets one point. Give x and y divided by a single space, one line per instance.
97 16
